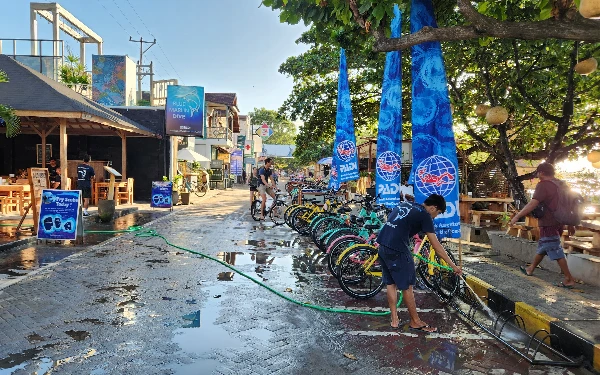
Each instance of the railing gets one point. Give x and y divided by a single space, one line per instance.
30 52
219 132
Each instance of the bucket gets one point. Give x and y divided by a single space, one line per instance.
106 210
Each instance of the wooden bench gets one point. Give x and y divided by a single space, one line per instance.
476 215
585 247
522 231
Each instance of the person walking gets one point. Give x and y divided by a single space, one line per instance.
85 174
395 255
264 186
546 193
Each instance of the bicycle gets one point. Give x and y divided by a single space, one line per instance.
197 187
275 211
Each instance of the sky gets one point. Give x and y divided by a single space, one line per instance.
222 45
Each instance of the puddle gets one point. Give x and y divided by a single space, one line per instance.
263 243
78 335
196 326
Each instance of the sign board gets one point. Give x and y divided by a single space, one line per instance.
112 171
248 147
162 193
241 141
236 161
184 111
38 149
250 161
59 211
216 164
264 131
38 181
216 175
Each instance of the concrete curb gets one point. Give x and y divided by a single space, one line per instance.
572 343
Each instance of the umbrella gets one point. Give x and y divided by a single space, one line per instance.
325 161
189 155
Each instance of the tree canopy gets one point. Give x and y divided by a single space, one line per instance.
552 108
8 116
284 131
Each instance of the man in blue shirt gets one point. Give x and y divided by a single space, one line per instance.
85 173
395 254
265 186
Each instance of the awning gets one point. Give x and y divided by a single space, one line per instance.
189 155
325 161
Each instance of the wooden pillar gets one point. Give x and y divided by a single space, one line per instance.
123 155
63 152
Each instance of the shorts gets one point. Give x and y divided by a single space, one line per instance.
86 192
551 246
397 267
253 188
263 189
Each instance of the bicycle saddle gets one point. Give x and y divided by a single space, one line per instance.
344 209
371 226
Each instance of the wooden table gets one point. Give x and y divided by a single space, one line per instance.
466 211
104 185
14 194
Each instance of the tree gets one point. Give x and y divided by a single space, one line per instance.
73 74
555 19
284 131
8 117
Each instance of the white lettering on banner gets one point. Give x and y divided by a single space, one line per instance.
175 115
388 188
348 167
450 210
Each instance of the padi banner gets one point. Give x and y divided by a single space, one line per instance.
389 135
334 181
345 158
435 165
59 210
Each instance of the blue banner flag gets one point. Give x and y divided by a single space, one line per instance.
389 134
345 158
334 180
435 165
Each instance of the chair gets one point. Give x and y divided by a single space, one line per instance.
125 193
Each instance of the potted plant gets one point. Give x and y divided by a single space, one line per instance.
352 186
176 181
504 219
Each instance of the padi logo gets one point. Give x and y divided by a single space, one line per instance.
436 175
388 166
346 150
333 172
348 167
388 189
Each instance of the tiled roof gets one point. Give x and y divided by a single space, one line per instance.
229 99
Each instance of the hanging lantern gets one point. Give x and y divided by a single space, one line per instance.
596 165
587 66
594 157
481 109
496 116
589 8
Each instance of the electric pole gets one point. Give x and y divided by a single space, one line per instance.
140 67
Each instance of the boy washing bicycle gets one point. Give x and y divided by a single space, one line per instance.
395 254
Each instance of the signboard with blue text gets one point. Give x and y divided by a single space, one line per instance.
162 194
236 161
435 164
389 135
59 210
185 111
345 157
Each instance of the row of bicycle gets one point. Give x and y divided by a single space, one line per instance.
346 232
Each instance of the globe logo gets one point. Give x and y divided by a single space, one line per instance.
435 175
333 172
346 150
388 165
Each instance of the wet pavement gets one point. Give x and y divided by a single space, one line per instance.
137 306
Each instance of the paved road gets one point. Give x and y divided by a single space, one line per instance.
137 306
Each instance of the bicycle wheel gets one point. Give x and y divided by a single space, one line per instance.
277 213
296 221
323 226
360 272
200 189
443 283
288 213
255 209
337 248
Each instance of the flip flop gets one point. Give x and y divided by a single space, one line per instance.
396 328
563 285
524 270
422 329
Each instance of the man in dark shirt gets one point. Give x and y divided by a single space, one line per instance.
395 254
55 180
85 173
52 168
264 186
546 193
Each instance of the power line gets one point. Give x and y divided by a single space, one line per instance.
152 35
120 10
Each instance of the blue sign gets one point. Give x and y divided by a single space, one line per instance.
237 162
58 214
185 111
435 165
334 177
345 158
162 194
389 134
